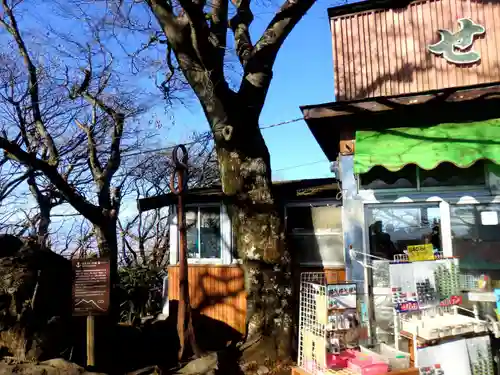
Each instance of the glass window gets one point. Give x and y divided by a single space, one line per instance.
203 232
315 234
447 174
392 228
475 233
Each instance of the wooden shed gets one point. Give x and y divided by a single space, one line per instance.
313 216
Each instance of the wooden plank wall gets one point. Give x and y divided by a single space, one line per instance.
218 291
383 52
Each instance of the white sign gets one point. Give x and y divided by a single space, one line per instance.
489 218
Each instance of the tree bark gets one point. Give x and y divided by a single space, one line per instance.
107 244
245 169
244 162
44 222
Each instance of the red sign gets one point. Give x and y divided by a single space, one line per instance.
91 286
453 300
407 306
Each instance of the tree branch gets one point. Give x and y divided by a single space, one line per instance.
8 188
88 210
218 27
240 24
95 165
267 47
33 86
118 118
259 67
169 23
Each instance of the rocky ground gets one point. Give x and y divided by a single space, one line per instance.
36 323
207 365
51 367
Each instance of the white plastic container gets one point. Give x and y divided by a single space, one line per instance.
374 354
396 359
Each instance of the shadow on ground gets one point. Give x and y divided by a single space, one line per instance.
121 349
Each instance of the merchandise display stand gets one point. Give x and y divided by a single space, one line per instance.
328 321
426 298
329 329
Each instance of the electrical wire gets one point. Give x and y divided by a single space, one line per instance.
170 148
301 165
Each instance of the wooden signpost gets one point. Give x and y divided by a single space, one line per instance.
91 288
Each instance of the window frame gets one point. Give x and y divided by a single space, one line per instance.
444 200
472 202
226 241
199 208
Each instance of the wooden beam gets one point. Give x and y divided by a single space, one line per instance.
152 203
381 104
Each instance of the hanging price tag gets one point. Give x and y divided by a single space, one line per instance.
420 252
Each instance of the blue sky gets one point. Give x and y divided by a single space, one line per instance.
303 74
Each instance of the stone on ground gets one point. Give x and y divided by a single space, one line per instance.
35 300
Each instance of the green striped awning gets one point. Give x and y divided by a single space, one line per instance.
459 143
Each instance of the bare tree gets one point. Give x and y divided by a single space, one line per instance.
195 33
54 117
145 236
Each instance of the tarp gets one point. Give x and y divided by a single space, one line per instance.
459 143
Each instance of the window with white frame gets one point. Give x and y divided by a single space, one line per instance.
413 177
203 234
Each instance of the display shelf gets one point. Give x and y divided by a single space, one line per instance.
329 323
421 341
445 325
481 296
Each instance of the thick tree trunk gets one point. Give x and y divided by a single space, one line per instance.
44 223
107 245
246 179
245 168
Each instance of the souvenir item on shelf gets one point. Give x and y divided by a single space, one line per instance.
480 355
450 358
432 370
341 296
343 320
420 285
435 323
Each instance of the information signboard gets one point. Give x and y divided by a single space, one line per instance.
91 286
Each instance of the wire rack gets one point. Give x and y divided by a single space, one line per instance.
312 322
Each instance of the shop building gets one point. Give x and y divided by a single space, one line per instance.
414 136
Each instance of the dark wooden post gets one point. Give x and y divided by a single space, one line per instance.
184 317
